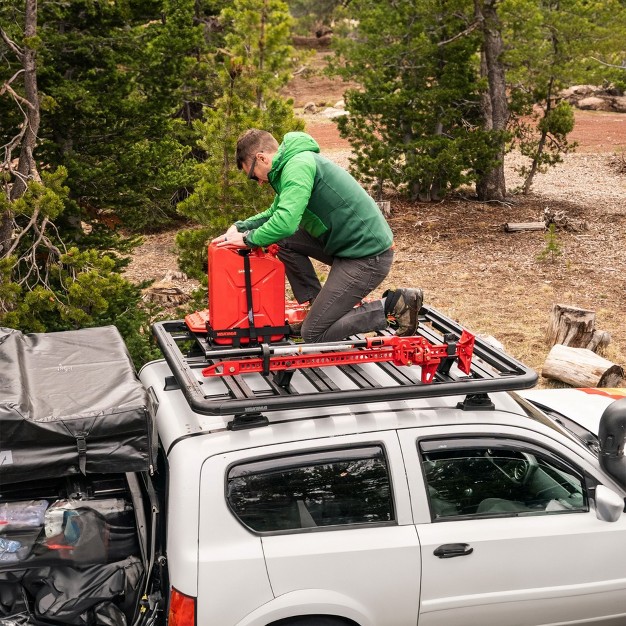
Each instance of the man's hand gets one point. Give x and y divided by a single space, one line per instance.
231 241
232 238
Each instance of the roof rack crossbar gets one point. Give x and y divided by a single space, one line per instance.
396 374
491 370
320 380
360 377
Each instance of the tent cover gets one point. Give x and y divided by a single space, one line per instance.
70 402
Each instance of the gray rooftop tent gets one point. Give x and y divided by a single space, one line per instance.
70 402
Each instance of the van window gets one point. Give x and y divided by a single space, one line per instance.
492 479
305 491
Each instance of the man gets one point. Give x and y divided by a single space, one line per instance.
321 212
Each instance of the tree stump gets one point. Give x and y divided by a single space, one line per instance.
167 292
580 367
575 327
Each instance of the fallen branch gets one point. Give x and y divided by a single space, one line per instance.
516 227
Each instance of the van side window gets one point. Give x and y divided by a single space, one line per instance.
492 479
321 489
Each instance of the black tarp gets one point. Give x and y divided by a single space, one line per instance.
70 402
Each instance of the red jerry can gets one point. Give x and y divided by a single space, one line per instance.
230 309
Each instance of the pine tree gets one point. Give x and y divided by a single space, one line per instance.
46 282
253 65
416 122
551 45
112 78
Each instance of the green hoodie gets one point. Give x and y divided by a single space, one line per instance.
321 197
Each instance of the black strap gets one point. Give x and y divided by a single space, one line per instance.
248 279
81 446
265 351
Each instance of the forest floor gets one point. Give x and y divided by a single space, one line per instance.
493 282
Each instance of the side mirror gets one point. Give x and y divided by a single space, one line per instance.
609 505
612 437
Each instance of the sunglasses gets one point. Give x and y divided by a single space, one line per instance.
251 175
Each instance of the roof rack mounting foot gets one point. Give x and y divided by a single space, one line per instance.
476 402
283 378
171 383
252 420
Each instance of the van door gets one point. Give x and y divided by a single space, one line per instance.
510 536
232 577
335 523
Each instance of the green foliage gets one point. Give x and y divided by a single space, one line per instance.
545 140
416 123
83 290
119 86
46 287
550 47
192 245
250 70
553 246
311 14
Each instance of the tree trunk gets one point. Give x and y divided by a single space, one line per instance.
580 367
6 232
491 184
542 139
27 167
575 327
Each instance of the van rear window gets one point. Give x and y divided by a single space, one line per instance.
307 491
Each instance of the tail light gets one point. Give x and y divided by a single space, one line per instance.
182 609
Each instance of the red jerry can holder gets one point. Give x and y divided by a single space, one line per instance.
246 296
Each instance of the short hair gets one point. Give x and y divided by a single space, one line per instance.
253 141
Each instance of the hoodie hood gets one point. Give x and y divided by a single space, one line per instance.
292 144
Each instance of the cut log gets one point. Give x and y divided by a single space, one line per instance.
600 339
580 367
575 327
516 227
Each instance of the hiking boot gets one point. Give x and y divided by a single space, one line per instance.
404 305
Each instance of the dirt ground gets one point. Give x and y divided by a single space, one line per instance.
596 132
491 281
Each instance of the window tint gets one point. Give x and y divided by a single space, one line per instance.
330 488
493 480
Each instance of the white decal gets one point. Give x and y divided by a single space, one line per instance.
6 457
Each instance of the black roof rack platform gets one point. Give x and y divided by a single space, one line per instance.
250 394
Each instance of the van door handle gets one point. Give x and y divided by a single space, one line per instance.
450 550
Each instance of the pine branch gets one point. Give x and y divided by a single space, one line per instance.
19 53
472 27
619 67
7 87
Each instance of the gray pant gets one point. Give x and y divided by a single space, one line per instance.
333 315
